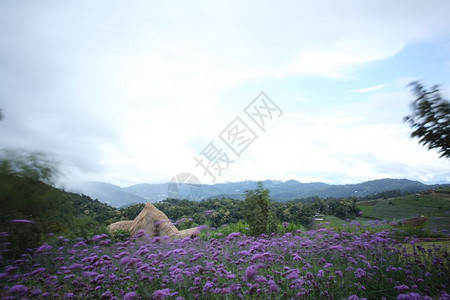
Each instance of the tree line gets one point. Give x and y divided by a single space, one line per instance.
34 210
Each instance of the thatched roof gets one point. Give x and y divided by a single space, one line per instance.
191 232
121 225
154 223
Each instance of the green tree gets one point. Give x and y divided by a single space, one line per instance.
430 120
301 213
258 214
30 206
220 217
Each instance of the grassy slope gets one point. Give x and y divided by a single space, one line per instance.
435 206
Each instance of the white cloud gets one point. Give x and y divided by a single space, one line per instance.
369 89
127 93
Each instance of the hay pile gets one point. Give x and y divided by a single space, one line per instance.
154 223
191 232
122 225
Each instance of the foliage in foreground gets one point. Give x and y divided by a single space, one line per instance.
430 120
310 265
32 208
244 228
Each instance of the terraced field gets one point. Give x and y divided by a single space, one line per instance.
435 206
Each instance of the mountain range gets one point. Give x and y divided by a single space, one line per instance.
279 190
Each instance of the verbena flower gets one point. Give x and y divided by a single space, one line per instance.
45 247
273 287
130 296
38 271
18 289
21 221
359 273
98 237
401 288
208 286
161 294
410 296
355 297
250 272
75 266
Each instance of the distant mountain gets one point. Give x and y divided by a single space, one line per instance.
107 193
292 189
279 190
150 192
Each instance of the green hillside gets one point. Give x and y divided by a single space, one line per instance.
433 205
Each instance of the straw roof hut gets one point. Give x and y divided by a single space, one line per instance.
121 225
191 232
154 223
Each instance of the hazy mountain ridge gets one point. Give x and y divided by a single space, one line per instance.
108 193
279 190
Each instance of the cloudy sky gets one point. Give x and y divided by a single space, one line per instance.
129 92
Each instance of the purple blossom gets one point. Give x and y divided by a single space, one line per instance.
208 286
107 295
35 292
43 248
160 222
359 273
292 274
202 227
355 297
250 272
296 257
99 237
339 273
161 294
131 295
273 287
352 260
90 274
233 235
104 242
127 260
18 289
75 266
401 288
21 221
410 296
197 280
258 256
307 265
38 271
222 291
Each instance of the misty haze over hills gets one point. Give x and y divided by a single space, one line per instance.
279 190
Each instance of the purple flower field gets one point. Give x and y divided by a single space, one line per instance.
320 264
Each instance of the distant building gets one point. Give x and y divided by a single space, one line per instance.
318 217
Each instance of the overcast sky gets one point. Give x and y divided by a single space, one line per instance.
131 91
